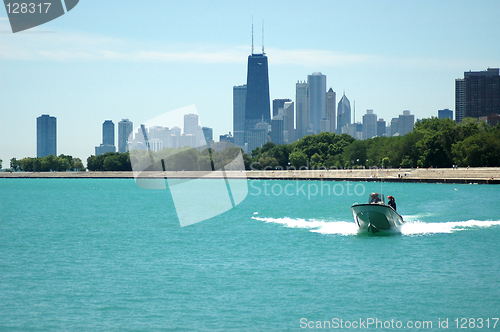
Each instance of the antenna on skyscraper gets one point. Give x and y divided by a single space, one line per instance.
263 37
252 34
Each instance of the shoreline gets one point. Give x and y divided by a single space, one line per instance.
479 175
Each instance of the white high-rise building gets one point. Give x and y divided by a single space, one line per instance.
303 116
405 123
125 128
369 124
190 124
288 111
331 114
317 101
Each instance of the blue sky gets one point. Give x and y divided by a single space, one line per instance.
129 59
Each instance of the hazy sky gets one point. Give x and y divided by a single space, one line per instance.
139 59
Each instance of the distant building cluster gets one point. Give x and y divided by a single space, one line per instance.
155 138
315 110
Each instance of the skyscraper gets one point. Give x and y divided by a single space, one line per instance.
459 99
277 128
477 94
369 124
317 89
193 129
303 109
190 124
446 113
208 133
46 136
381 127
108 138
257 103
125 128
343 113
277 104
405 123
108 133
239 99
331 104
289 118
394 126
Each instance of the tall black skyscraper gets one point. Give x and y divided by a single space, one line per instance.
46 136
258 103
477 94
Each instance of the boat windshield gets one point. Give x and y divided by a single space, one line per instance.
376 198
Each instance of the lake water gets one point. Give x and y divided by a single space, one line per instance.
106 255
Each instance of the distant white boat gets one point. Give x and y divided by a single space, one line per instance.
376 216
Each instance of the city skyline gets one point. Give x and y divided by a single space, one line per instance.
83 69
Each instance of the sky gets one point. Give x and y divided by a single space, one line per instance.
116 59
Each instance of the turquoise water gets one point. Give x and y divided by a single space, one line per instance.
106 255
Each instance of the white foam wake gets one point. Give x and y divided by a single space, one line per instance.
316 226
350 228
418 227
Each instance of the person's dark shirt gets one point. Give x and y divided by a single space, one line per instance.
392 204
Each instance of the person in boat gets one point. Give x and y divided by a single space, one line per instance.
374 198
392 202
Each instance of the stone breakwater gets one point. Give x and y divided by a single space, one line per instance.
486 175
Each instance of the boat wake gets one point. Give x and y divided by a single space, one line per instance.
347 228
418 227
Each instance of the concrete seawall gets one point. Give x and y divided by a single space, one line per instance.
486 175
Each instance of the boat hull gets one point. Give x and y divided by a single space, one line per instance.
375 218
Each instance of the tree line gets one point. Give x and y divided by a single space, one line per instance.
46 164
169 159
432 143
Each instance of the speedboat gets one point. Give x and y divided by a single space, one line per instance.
376 216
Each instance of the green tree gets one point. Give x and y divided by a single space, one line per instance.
125 161
94 163
247 160
479 150
37 164
187 160
112 163
15 164
316 160
298 159
78 165
63 164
